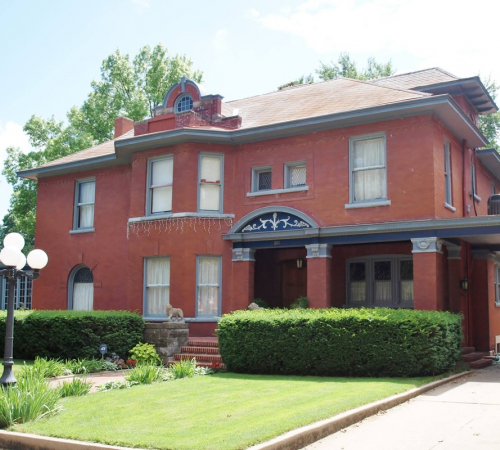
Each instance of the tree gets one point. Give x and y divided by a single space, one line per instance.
489 124
346 68
304 79
127 88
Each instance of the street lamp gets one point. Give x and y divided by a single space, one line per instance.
14 261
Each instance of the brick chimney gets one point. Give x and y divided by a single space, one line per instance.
122 125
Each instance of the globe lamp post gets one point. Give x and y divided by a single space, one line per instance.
14 260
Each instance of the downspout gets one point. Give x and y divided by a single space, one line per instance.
468 306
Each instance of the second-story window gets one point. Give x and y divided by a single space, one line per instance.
184 103
210 183
161 172
84 205
447 174
262 178
295 174
368 169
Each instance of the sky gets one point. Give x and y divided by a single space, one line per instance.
51 50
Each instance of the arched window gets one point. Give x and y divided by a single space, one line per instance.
81 289
184 103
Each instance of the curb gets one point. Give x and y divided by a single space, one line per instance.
306 435
293 440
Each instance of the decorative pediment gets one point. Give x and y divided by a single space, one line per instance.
274 221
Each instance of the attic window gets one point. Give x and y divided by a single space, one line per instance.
184 103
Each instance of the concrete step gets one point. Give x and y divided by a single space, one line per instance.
480 363
470 357
466 350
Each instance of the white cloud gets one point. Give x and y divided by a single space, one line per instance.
142 3
252 13
431 32
11 135
220 39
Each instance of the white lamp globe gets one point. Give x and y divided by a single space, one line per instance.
10 256
37 259
21 263
13 240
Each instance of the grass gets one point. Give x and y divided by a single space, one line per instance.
220 412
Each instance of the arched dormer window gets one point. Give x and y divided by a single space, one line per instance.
184 103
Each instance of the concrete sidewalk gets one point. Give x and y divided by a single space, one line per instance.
461 415
95 378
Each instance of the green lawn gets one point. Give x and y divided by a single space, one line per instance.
223 411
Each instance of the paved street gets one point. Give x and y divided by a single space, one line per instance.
462 415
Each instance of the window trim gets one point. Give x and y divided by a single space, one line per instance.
219 300
145 315
149 187
221 183
256 171
370 280
77 205
366 203
288 174
448 181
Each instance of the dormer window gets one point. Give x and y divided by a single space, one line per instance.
184 103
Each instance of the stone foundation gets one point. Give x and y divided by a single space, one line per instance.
167 337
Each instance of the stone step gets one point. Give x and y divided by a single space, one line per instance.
467 350
199 357
480 363
199 350
470 357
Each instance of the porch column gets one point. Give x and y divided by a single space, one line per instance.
243 269
454 269
319 275
427 274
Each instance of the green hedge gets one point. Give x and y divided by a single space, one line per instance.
340 342
72 334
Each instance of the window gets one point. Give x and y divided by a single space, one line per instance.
295 174
160 178
447 175
380 281
81 292
22 293
210 183
208 296
368 169
157 286
184 103
84 205
262 179
497 284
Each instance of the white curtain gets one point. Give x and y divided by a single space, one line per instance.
161 185
83 296
383 291
369 169
407 291
158 285
86 201
210 169
210 197
210 193
297 176
208 286
358 291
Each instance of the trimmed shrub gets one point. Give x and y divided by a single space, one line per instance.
72 334
340 342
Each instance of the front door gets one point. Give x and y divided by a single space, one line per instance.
293 282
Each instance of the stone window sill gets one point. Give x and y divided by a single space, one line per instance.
278 191
368 204
181 215
84 230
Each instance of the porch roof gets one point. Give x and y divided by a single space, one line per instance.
481 232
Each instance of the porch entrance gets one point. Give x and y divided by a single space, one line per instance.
278 278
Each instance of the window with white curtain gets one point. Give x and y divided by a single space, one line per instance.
84 205
82 290
368 181
160 180
208 293
380 280
210 182
157 289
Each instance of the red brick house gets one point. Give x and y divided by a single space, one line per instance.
352 193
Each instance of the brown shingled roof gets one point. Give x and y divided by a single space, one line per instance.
416 79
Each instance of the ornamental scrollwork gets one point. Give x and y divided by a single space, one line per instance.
275 223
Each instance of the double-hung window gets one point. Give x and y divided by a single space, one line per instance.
22 293
295 175
211 170
157 286
161 172
262 178
384 280
447 175
368 171
83 218
208 289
